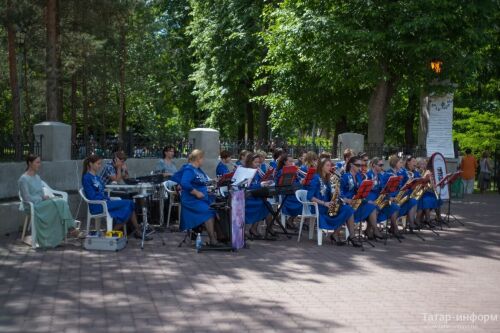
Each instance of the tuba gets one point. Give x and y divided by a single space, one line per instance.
335 203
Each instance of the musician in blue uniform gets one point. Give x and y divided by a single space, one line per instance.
340 165
409 208
120 210
262 160
349 185
391 210
195 200
276 156
255 208
225 160
429 199
242 157
291 206
320 191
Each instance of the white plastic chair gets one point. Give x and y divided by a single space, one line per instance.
104 214
174 200
28 221
301 196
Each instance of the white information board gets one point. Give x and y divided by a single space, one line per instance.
439 130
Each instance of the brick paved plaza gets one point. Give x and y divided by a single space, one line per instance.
443 284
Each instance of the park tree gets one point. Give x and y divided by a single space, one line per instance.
376 46
227 52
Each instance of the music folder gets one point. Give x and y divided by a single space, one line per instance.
243 176
309 176
364 189
392 184
288 175
268 175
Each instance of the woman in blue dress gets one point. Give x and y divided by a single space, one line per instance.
242 157
120 210
349 185
391 210
428 201
320 191
291 206
225 159
409 208
255 208
195 200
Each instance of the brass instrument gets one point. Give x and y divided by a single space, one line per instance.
355 203
380 202
333 208
419 190
402 197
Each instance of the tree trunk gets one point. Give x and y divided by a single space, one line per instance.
74 86
14 86
411 111
241 131
27 109
85 110
263 117
377 111
53 61
250 122
123 59
340 127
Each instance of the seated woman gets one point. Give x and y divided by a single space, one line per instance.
166 165
349 185
255 208
194 196
310 161
320 191
429 200
408 208
52 219
120 210
291 206
390 210
242 157
225 160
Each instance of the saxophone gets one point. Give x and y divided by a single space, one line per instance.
380 202
401 197
333 208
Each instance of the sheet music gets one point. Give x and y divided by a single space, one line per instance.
242 174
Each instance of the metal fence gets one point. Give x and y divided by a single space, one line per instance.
379 150
10 151
135 148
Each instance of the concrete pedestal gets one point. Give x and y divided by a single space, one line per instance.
206 139
354 141
56 140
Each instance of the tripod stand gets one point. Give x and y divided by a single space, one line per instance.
145 226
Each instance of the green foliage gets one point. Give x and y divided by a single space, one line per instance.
477 130
312 64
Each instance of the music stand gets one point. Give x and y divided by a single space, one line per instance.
287 179
363 191
449 179
390 187
309 176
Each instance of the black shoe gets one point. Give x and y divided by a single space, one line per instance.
353 241
335 240
369 237
254 235
379 236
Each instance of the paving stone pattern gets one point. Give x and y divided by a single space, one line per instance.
448 283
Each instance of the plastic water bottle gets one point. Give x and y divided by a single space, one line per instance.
198 242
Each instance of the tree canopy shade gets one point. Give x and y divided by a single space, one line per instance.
295 69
